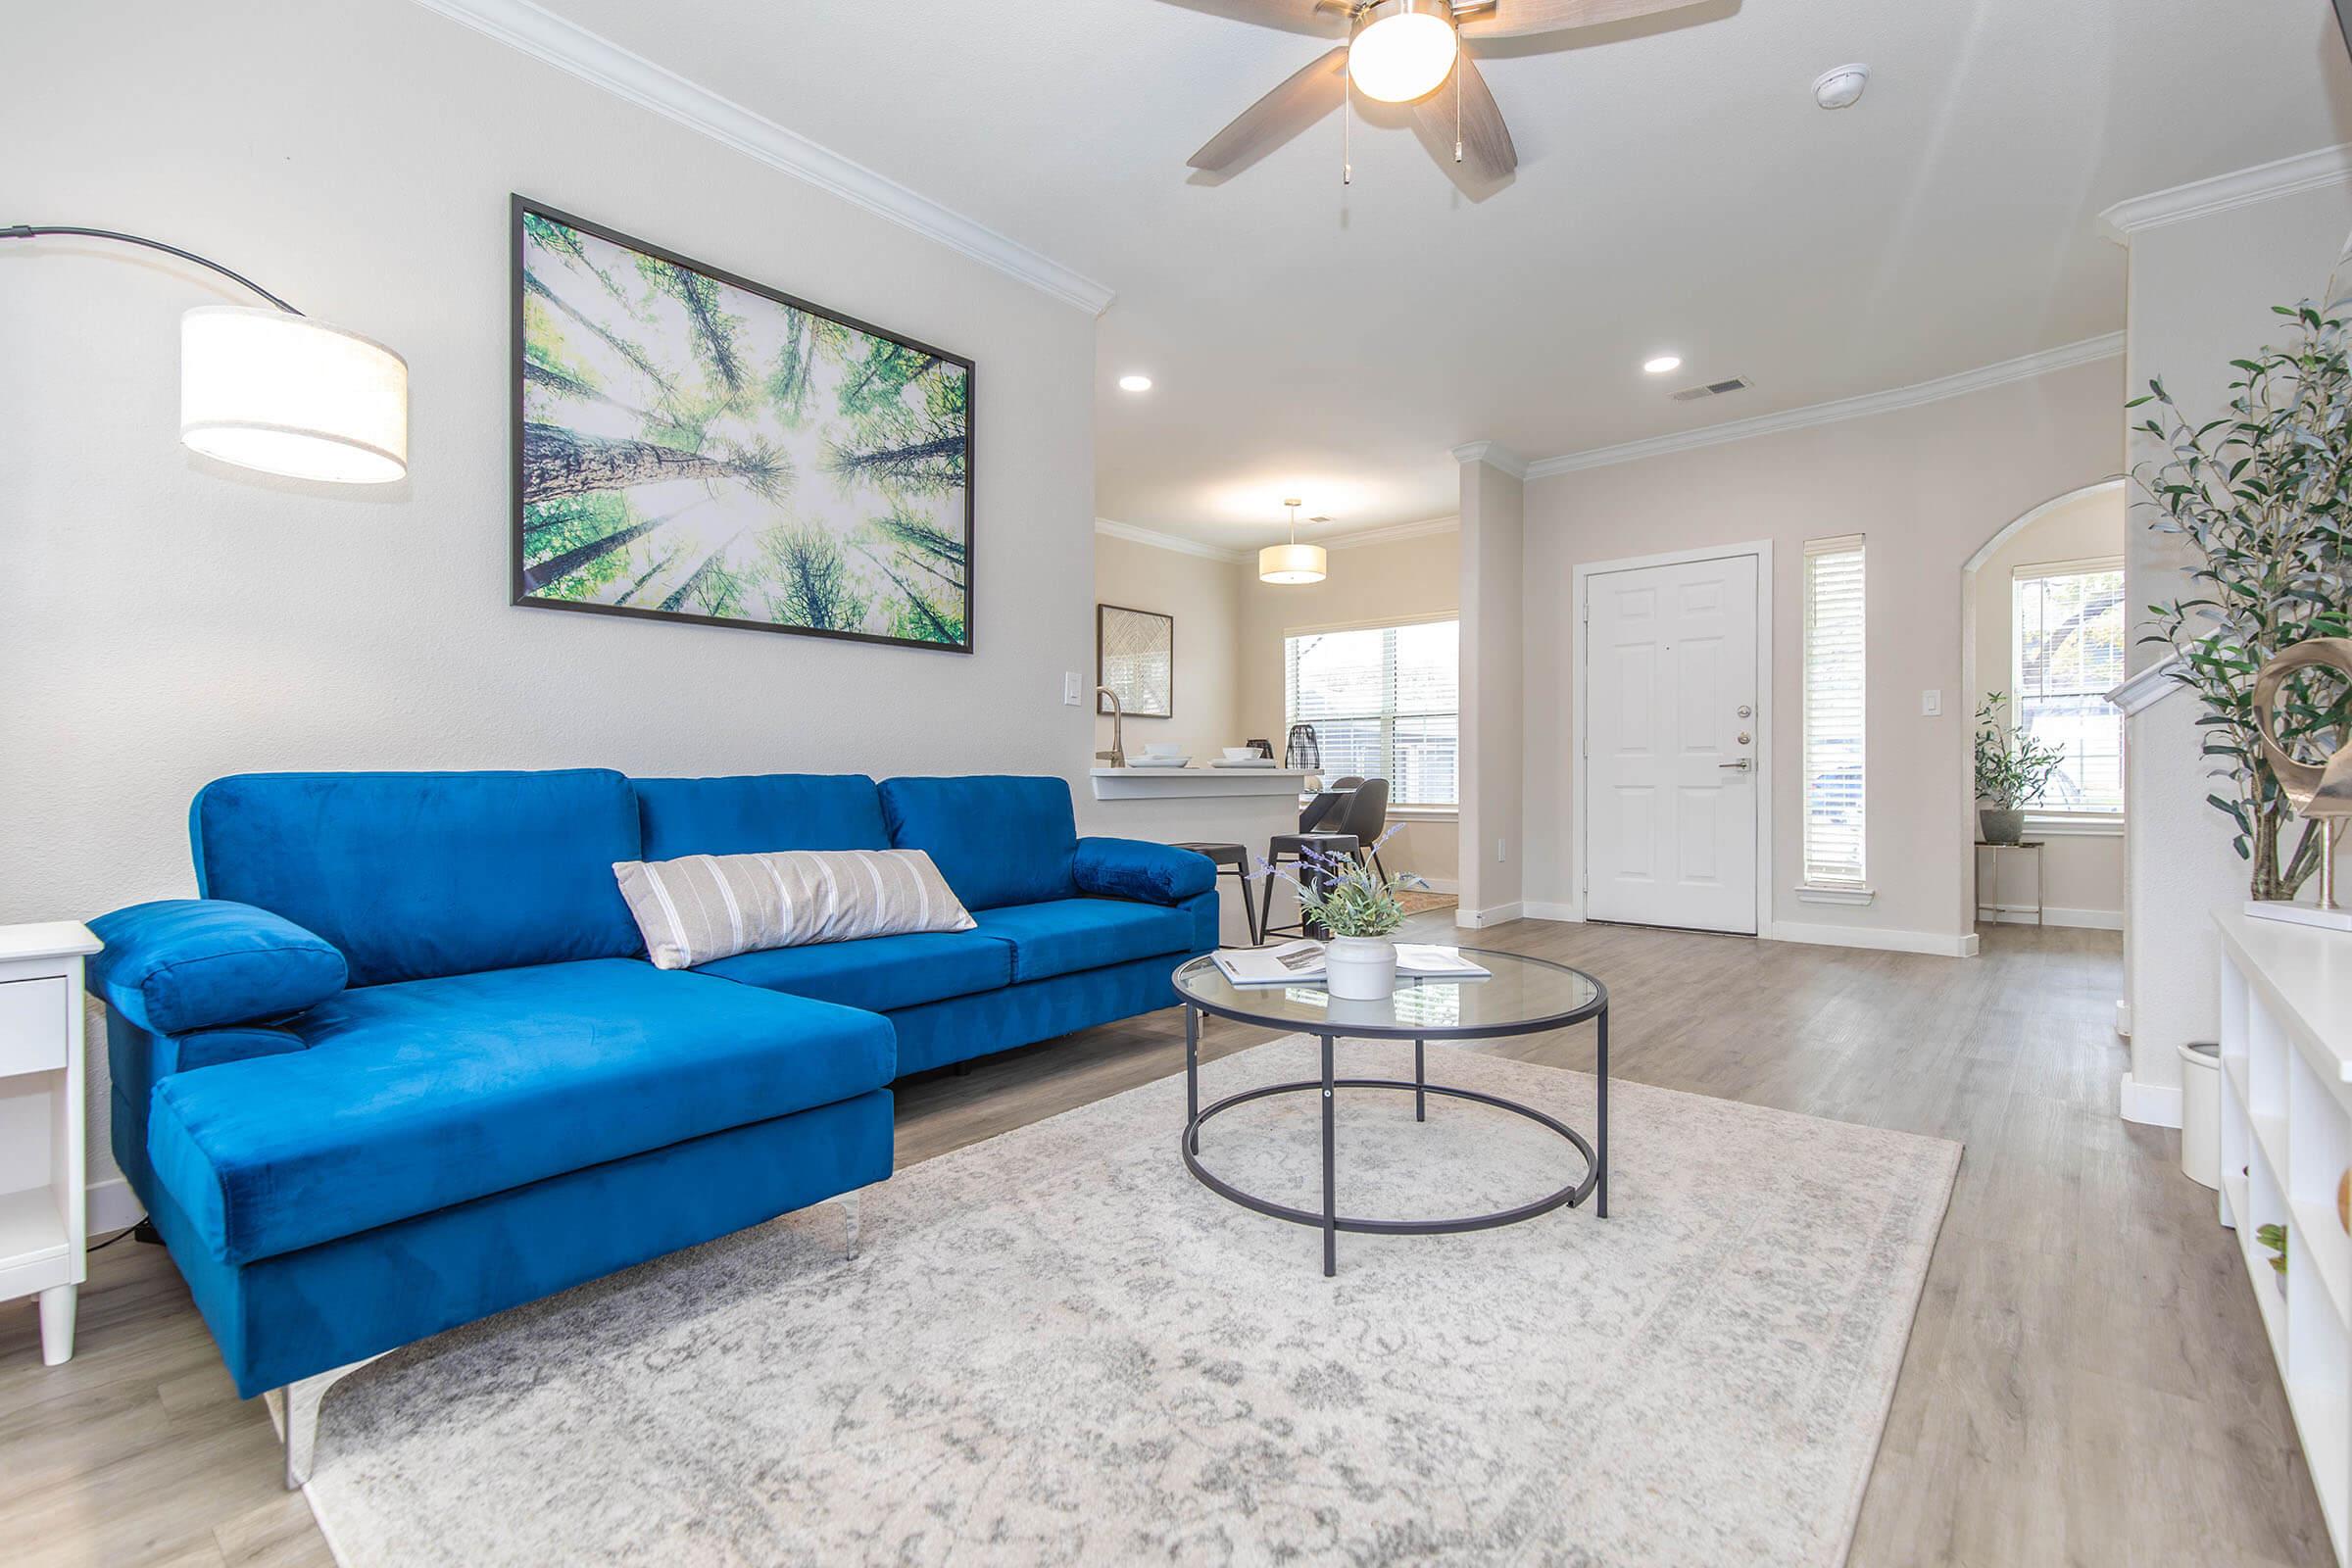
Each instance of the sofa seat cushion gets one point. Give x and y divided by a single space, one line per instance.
1062 936
878 973
414 1096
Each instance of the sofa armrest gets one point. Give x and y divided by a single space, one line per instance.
197 963
1149 874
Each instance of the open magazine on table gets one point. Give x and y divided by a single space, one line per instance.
1301 964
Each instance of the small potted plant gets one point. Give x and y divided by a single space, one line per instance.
2273 1238
1347 898
2011 770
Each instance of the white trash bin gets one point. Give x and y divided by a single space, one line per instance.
2201 1112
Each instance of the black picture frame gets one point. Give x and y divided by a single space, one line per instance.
1102 613
519 594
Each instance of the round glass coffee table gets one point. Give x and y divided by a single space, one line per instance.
1524 996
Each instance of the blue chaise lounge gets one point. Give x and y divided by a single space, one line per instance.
405 1064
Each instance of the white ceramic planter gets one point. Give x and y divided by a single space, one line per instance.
1360 968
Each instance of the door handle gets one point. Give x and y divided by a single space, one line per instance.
1744 764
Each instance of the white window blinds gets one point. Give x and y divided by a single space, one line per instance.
1383 704
1834 701
2067 644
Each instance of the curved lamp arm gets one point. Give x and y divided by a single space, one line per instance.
37 230
274 389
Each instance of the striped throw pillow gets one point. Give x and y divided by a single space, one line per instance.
708 907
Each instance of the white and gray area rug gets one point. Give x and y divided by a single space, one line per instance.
1058 1347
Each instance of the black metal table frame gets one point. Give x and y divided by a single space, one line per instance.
1595 1182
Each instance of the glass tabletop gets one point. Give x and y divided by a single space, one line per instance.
1522 995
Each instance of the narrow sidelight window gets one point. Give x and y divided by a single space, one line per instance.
1833 702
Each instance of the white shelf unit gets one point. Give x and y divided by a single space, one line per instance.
42 1227
2286 1141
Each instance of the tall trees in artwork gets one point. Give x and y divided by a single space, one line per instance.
694 447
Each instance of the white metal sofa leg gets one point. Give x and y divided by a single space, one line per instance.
294 1410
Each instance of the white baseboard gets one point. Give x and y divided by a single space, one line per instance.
111 1205
1537 909
2086 919
2151 1104
1500 915
1969 944
1875 937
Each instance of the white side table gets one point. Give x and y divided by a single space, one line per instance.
42 1227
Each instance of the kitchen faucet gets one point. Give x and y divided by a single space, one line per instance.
1116 756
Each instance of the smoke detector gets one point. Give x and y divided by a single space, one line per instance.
1841 89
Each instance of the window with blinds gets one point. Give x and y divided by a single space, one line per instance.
2067 652
1383 704
1833 699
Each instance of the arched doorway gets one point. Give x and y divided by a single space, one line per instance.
2056 565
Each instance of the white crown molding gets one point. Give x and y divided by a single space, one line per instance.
2242 187
2065 356
598 61
1495 454
1389 534
2146 689
1157 540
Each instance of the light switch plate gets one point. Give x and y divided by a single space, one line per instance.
1931 705
1069 688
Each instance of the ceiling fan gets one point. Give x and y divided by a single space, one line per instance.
1403 52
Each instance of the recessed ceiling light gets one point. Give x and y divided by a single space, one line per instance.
1662 364
1135 383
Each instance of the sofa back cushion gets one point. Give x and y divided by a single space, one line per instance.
760 813
996 839
414 875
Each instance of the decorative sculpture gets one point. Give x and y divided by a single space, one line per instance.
2320 791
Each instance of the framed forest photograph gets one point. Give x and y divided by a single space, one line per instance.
690 445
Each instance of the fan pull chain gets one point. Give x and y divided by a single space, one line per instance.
1348 126
1457 110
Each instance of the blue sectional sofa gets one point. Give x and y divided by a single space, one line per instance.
405 1064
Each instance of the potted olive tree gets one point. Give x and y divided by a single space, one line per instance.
2012 770
2260 495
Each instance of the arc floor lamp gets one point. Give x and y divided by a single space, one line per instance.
270 388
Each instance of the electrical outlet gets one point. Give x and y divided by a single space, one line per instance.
1069 688
1931 705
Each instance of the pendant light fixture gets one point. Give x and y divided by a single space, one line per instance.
1293 562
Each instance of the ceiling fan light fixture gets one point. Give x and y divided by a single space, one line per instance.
1403 49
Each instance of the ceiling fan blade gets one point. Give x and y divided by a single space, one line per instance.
1486 150
1309 95
1513 18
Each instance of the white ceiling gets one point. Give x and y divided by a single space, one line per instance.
1678 191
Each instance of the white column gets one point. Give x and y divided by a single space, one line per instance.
1493 532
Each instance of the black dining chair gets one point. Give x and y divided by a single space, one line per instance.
1364 817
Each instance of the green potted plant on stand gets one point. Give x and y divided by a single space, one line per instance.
2012 770
2261 496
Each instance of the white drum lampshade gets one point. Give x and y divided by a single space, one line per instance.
1289 564
270 390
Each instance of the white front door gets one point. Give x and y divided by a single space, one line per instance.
1671 726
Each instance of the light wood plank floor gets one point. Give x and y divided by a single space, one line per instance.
2086 1381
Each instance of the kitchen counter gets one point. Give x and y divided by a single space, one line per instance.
1213 783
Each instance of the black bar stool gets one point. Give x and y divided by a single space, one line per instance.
1233 858
1285 847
